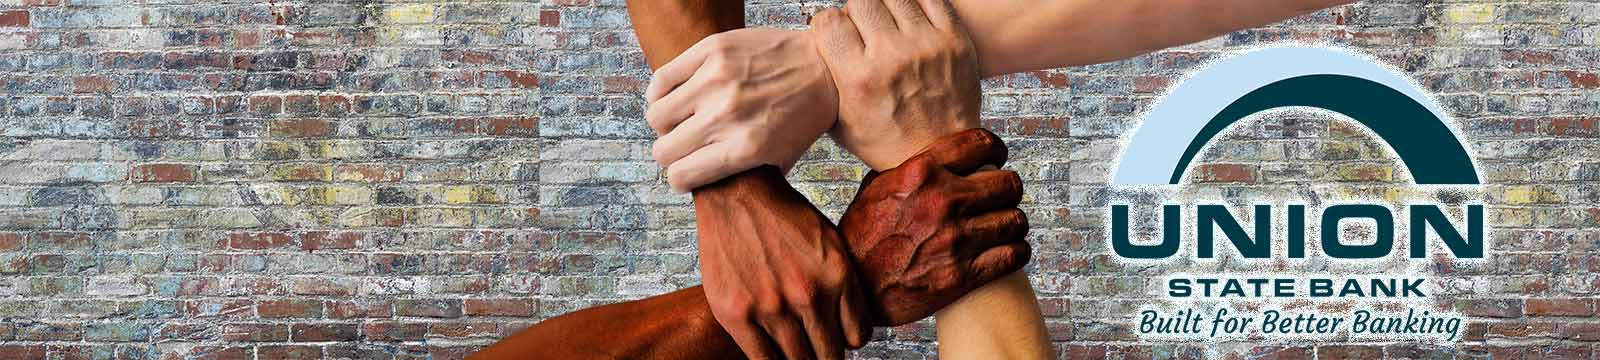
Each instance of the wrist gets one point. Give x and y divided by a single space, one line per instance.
888 154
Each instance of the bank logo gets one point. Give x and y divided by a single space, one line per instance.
1385 103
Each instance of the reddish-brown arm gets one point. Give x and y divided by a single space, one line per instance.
677 325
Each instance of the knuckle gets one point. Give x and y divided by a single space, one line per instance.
827 16
744 154
659 152
769 309
736 308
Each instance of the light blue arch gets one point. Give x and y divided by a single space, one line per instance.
1152 155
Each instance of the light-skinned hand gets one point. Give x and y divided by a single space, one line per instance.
905 76
737 100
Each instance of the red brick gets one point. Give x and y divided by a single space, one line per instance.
437 352
513 126
323 332
1581 331
1151 83
1559 307
255 332
1584 80
333 104
301 128
1052 79
469 57
1047 126
550 18
265 104
622 84
10 241
259 240
155 173
1225 173
499 307
1523 329
363 309
524 80
23 352
393 331
14 18
92 84
289 309
463 330
62 241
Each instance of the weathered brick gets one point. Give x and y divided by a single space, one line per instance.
394 331
255 332
499 307
291 308
14 18
434 308
259 240
157 173
323 332
1559 307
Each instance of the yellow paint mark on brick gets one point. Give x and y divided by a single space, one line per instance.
1530 194
408 14
465 194
1469 14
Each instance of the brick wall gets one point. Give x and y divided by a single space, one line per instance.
370 179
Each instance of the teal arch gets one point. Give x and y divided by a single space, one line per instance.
1423 142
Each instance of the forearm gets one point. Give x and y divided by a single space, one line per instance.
666 28
1000 320
676 325
1020 35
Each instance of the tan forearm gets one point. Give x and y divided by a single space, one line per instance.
1022 35
1000 320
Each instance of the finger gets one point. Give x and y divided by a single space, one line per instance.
866 182
684 139
853 316
993 229
872 17
838 35
992 190
680 69
707 165
907 14
965 152
789 336
1000 261
751 338
668 111
940 14
827 339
